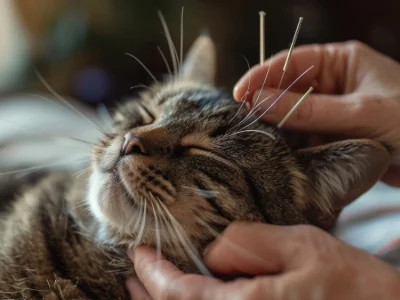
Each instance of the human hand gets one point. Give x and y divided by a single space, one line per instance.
356 94
293 262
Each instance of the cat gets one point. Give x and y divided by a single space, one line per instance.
179 165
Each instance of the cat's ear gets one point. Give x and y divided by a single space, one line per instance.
200 62
338 173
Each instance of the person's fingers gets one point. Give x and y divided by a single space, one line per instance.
330 61
136 289
349 115
322 112
256 249
164 281
392 177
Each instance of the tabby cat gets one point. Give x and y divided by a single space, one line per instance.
180 164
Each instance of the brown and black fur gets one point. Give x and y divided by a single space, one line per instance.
66 237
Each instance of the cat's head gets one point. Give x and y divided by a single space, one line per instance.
182 156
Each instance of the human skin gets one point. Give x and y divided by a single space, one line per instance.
288 262
356 94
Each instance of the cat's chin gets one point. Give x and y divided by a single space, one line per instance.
109 203
123 222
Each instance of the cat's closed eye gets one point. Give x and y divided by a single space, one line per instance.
193 150
196 141
148 117
139 115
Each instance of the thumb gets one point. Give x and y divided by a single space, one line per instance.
392 177
255 249
318 112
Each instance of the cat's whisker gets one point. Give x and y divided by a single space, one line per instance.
50 100
172 241
104 114
138 217
157 230
141 230
249 83
167 239
47 136
245 94
44 166
19 127
181 48
140 86
280 96
82 141
296 33
164 220
281 123
186 243
81 172
144 67
262 86
165 61
175 239
171 45
143 86
69 105
240 108
252 112
82 203
175 54
15 126
256 131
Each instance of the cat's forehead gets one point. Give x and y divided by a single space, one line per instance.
182 100
191 97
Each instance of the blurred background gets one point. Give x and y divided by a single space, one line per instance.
79 46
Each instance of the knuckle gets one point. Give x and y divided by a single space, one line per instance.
260 290
316 243
357 48
367 105
308 232
235 227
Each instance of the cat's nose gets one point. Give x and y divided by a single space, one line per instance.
132 145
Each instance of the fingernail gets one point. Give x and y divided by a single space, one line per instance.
265 99
235 90
237 96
